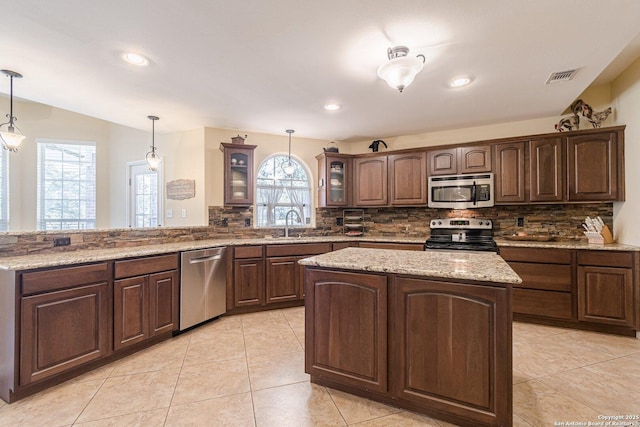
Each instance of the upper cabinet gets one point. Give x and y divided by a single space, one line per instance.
459 160
408 179
509 172
546 183
334 180
593 161
238 174
370 181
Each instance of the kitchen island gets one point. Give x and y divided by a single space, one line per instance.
427 331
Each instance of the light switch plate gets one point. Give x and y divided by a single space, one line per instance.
169 213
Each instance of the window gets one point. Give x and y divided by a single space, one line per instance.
145 195
277 193
4 190
66 185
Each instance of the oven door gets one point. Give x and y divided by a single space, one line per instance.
461 191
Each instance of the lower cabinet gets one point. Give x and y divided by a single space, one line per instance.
248 282
283 283
145 305
63 329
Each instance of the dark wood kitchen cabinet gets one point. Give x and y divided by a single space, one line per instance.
146 293
459 160
408 179
65 320
248 277
593 162
238 174
334 180
370 181
509 172
546 170
605 287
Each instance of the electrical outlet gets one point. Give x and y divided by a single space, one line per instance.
225 222
61 241
519 221
184 213
340 221
247 222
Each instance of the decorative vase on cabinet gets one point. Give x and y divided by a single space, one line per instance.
238 174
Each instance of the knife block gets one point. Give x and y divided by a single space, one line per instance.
607 236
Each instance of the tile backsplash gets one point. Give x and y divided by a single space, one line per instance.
562 221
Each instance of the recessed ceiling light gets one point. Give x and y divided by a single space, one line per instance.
332 107
135 59
460 82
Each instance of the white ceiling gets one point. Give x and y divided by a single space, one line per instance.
266 66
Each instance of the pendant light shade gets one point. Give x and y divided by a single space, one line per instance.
153 160
11 137
289 168
401 69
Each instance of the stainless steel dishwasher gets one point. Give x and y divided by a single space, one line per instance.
203 286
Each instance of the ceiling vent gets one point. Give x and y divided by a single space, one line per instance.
561 76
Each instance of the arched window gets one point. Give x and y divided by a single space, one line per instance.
277 193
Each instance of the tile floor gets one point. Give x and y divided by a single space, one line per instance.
248 370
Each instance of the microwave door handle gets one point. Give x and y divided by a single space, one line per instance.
474 194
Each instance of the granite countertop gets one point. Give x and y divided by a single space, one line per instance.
476 266
27 262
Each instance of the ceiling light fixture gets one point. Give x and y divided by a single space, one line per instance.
289 168
332 107
401 69
153 160
135 59
12 137
460 82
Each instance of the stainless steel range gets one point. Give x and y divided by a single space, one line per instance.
469 234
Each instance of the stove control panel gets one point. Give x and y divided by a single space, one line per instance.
462 223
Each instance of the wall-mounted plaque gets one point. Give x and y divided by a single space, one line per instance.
181 189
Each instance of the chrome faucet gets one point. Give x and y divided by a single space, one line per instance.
286 221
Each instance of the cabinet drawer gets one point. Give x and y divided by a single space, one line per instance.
400 246
298 249
552 277
551 256
140 266
542 303
605 258
248 252
60 278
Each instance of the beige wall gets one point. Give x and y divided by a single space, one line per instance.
42 121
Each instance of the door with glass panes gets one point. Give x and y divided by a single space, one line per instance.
145 195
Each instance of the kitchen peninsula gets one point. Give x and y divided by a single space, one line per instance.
427 331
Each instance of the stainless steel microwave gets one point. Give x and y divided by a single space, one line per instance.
461 191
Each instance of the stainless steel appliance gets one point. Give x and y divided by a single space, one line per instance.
203 286
469 234
461 191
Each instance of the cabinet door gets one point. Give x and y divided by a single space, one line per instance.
443 162
474 159
509 173
592 162
347 341
64 329
370 186
605 295
238 174
248 282
130 311
163 302
408 179
546 182
336 186
282 282
451 348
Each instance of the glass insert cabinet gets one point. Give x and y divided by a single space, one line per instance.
238 174
334 179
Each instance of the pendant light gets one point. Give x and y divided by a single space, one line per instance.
11 138
153 160
401 69
289 168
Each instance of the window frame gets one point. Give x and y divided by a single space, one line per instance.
4 190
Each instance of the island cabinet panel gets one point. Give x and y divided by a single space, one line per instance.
451 348
370 181
63 329
593 167
546 171
509 168
408 179
346 328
